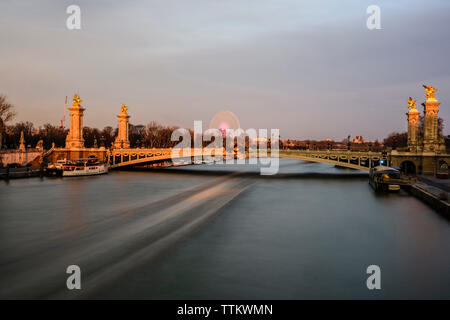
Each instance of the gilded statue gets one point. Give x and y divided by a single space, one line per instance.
411 103
124 108
430 92
77 100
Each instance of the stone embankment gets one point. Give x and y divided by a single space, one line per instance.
434 194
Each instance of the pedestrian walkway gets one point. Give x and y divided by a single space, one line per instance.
434 192
443 184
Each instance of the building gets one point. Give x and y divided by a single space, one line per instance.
358 140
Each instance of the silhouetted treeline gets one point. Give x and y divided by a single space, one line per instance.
47 133
396 140
153 135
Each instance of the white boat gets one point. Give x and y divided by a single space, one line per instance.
55 169
84 167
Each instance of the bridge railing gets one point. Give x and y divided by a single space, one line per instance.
125 157
351 159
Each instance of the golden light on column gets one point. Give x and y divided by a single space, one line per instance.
430 125
413 125
74 139
122 140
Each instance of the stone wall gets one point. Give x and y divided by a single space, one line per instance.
18 156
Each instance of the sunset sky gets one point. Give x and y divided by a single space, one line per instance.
310 68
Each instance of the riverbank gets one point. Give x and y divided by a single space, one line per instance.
432 193
22 172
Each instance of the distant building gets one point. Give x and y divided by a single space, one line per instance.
358 140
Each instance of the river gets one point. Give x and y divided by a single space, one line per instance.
212 232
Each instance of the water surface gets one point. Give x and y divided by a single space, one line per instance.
252 238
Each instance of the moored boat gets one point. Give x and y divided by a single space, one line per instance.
383 178
55 169
83 167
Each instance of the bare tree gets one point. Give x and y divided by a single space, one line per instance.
6 114
156 135
396 140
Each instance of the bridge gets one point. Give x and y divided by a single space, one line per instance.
408 162
426 153
348 159
132 157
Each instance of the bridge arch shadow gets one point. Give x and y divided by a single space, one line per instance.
442 169
408 167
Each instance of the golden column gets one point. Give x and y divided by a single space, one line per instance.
122 140
430 124
22 142
74 139
23 149
413 126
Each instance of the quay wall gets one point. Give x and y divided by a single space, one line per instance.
433 199
19 156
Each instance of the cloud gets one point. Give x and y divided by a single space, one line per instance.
311 69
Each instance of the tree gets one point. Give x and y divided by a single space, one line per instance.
6 114
91 136
107 136
154 135
136 135
14 132
396 140
52 134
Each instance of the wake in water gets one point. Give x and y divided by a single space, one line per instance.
107 248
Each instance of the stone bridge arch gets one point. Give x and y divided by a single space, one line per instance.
409 167
442 168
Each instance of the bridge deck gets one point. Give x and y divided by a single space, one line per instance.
133 157
354 160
